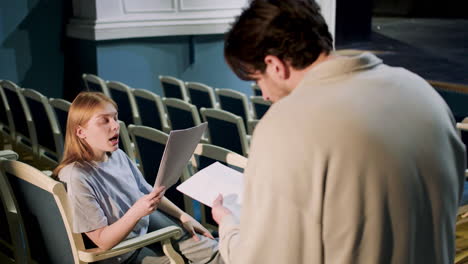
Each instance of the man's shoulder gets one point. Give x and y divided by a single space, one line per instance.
297 110
292 119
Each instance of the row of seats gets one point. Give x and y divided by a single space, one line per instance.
45 119
203 96
200 95
32 123
228 127
26 113
30 191
36 216
26 110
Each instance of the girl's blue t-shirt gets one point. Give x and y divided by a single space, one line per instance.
101 193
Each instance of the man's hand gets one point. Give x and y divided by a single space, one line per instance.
218 210
194 227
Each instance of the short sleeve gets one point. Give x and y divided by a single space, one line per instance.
87 213
143 185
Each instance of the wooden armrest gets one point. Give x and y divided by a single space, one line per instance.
448 86
161 235
460 257
462 210
47 172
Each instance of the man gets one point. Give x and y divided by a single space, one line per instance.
355 162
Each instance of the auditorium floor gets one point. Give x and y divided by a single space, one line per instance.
436 49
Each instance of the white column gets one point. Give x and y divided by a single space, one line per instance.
329 13
116 19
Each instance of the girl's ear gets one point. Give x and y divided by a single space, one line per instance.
80 132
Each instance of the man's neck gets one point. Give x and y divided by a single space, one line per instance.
298 75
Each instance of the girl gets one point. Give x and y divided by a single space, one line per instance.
111 201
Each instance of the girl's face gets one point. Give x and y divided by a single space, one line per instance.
102 131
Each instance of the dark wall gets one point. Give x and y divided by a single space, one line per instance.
81 57
35 53
421 8
31 44
138 62
353 21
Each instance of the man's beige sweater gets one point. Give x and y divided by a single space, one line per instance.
361 163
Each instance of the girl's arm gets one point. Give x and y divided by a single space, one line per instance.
189 223
109 236
170 208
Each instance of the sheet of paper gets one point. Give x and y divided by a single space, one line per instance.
205 185
179 148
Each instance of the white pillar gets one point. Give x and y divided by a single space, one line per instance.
329 13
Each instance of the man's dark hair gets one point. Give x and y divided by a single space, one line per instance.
292 30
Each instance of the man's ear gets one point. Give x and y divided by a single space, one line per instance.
80 132
277 67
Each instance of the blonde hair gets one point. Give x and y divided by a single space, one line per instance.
81 111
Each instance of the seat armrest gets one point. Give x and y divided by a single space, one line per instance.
162 235
8 154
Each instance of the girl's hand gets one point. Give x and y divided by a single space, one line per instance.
148 203
194 227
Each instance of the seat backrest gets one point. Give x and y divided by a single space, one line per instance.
462 129
42 209
125 143
207 154
226 130
94 83
151 109
123 96
10 245
173 88
252 125
49 136
60 108
260 106
149 147
181 114
201 95
256 91
4 109
6 119
234 102
22 125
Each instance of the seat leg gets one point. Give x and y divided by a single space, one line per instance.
170 252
